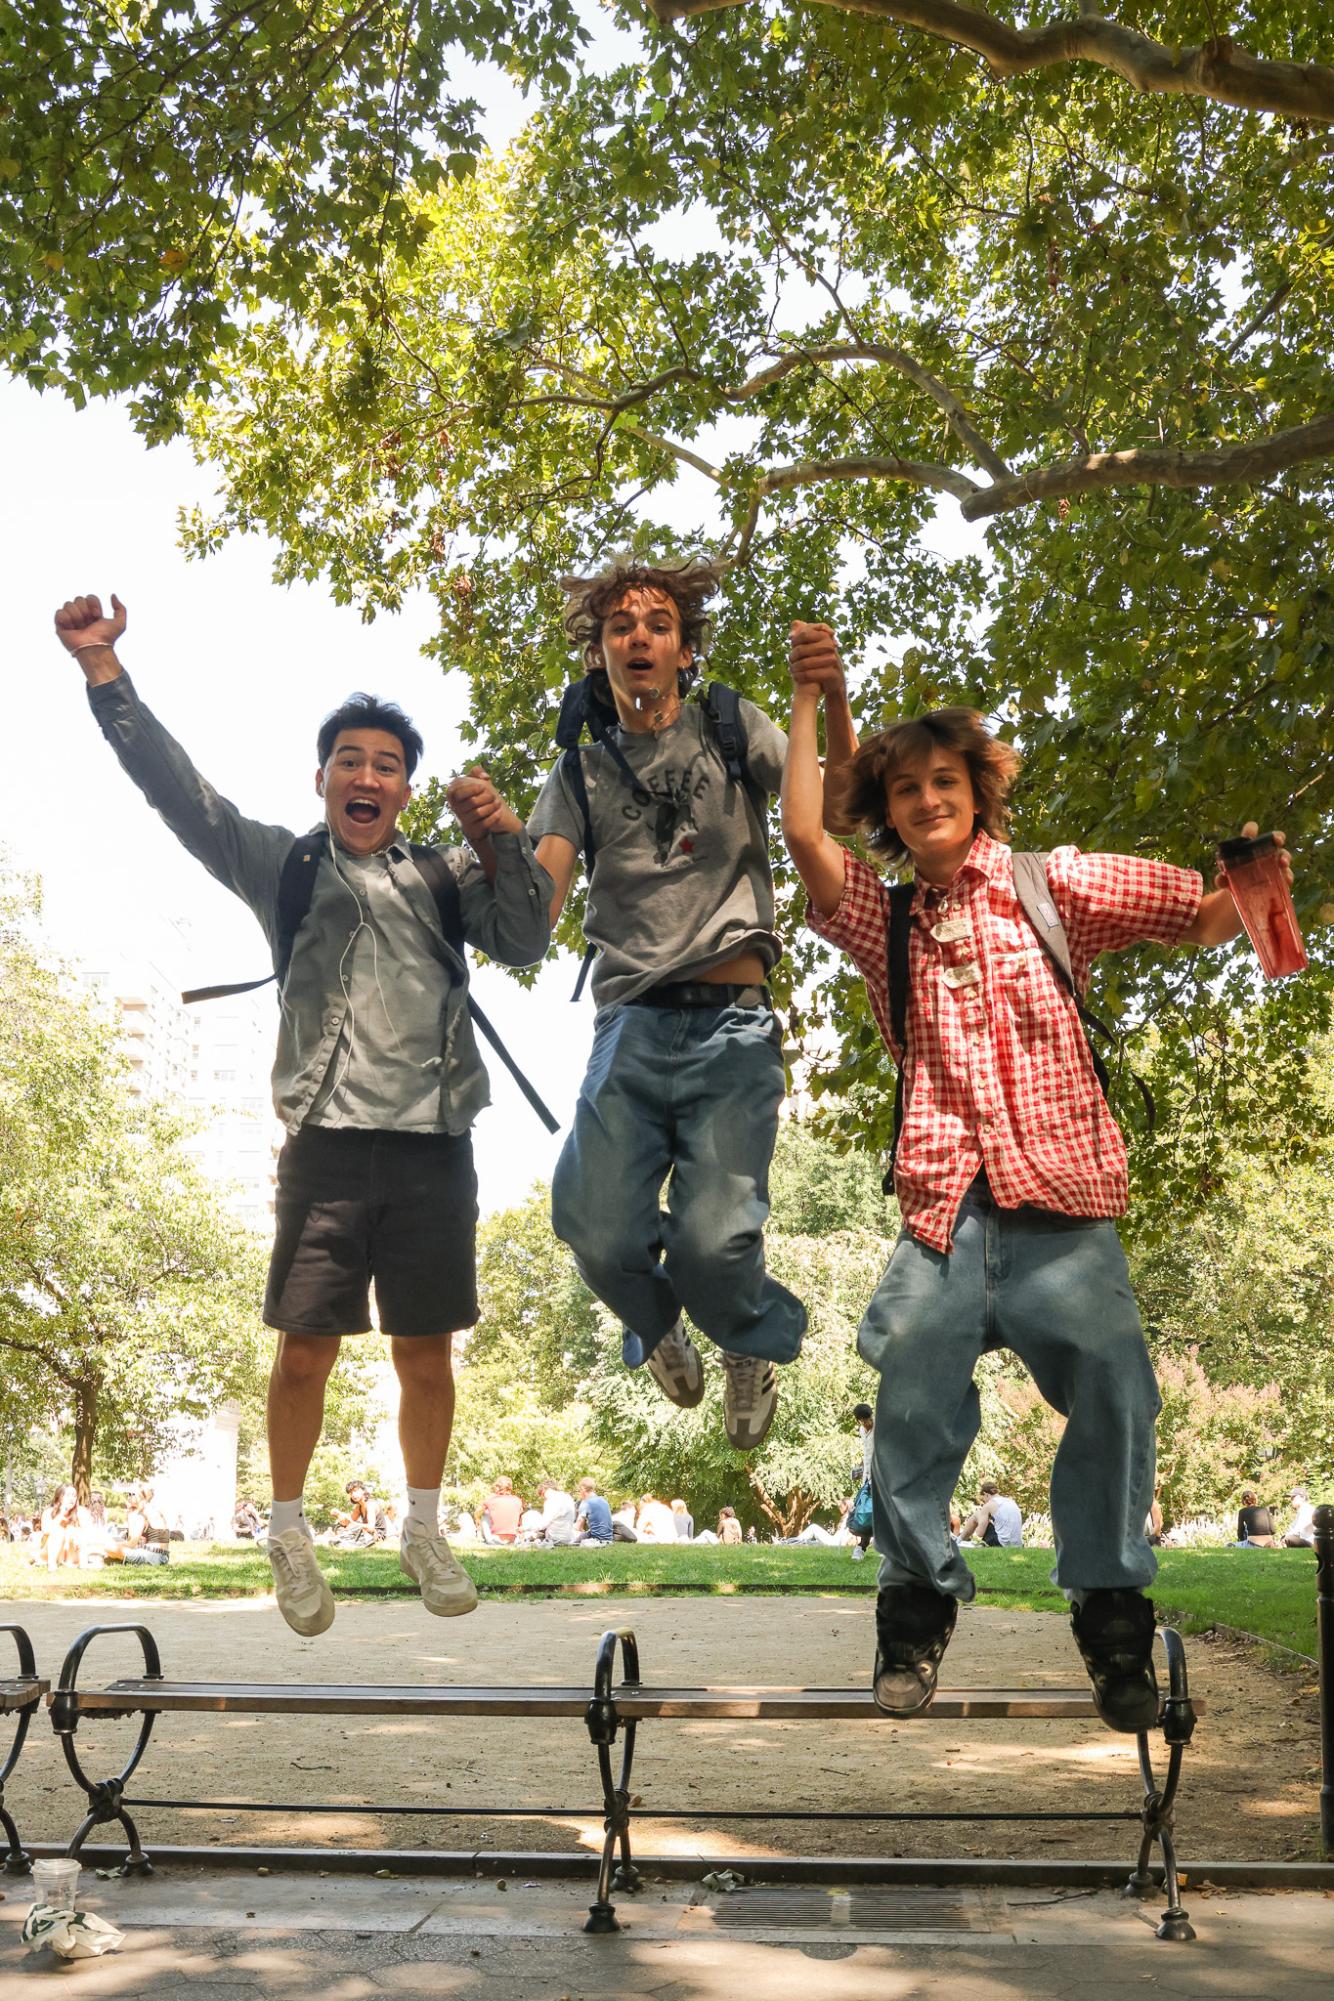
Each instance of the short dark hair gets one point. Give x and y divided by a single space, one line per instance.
988 1487
353 1485
590 601
992 769
369 712
862 1410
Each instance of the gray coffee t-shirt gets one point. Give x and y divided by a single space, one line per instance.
681 879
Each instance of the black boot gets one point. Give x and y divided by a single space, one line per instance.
913 1624
1114 1632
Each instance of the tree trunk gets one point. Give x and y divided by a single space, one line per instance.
85 1437
789 1514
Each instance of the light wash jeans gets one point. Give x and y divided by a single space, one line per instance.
693 1093
1055 1290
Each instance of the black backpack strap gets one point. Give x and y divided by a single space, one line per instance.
722 706
898 937
440 879
296 887
572 765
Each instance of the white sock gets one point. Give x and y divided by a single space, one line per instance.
286 1515
424 1509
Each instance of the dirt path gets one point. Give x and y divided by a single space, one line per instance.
1250 1787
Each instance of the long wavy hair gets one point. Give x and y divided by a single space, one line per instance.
590 601
992 765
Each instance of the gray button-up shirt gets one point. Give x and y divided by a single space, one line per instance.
374 1027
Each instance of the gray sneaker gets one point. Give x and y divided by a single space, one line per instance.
677 1367
750 1398
304 1599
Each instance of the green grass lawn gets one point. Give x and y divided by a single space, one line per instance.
1267 1592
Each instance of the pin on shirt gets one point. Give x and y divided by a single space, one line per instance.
951 929
969 975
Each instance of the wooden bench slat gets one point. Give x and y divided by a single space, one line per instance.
21 1693
848 1704
277 1698
632 1702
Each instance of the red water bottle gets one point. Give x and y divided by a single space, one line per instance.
1259 886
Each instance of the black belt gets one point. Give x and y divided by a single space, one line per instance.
702 993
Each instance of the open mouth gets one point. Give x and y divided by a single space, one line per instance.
361 812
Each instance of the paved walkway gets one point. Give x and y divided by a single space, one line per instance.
224 1935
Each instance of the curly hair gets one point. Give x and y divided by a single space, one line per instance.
992 768
590 601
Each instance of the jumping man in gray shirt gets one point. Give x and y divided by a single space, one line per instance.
686 1073
377 1078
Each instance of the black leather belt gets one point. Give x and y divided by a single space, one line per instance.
702 993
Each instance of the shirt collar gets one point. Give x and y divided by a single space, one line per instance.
983 858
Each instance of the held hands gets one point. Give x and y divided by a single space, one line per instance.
479 808
82 627
814 660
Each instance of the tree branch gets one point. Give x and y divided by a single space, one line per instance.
816 472
890 357
1215 69
1253 459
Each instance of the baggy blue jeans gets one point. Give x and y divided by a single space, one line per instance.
1056 1291
693 1093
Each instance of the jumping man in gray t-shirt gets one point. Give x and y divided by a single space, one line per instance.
686 1073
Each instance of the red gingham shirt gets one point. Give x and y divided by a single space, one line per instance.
998 1069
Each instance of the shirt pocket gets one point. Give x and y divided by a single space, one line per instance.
1027 993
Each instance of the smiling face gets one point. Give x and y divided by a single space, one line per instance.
932 808
642 651
364 787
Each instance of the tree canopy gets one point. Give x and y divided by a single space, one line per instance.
1001 344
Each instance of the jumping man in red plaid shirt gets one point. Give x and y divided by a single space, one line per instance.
1009 1170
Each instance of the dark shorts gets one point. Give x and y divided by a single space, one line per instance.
352 1206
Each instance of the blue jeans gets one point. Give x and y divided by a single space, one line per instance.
1055 1290
693 1093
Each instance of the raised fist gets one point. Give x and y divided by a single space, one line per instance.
81 623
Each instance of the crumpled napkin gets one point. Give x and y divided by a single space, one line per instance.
725 1880
71 1934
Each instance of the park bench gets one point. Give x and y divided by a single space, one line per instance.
20 1695
609 1709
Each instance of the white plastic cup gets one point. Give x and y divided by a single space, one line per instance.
56 1882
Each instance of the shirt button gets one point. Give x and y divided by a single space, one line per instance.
330 1023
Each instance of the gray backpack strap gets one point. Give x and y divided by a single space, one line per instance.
1035 899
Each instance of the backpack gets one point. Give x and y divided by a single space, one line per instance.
580 709
296 887
1035 900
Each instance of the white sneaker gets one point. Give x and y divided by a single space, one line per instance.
304 1599
858 1553
446 1588
677 1367
750 1398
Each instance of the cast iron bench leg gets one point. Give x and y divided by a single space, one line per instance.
602 1726
17 1859
1178 1724
104 1795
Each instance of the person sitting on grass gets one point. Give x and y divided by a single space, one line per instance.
1255 1525
556 1527
1008 1172
729 1528
995 1521
592 1517
501 1513
366 1523
1301 1529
